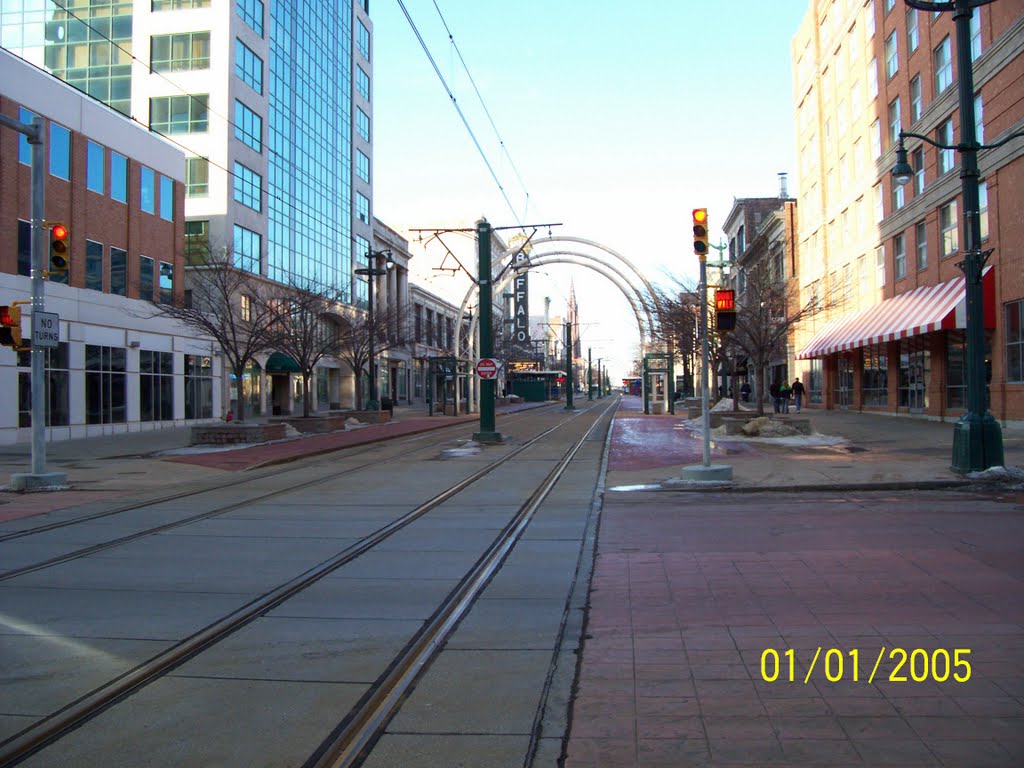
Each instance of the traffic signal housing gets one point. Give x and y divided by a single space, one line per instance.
725 309
10 326
700 231
60 255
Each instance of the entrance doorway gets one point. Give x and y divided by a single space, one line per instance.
843 395
914 372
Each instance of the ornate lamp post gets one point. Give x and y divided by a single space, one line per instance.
371 272
977 438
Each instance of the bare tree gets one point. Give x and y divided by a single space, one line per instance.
767 311
305 331
359 334
234 307
678 325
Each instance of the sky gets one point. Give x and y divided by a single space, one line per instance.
611 119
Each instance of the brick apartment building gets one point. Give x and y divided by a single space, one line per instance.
119 189
894 341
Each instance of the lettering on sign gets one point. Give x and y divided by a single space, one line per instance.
45 329
521 326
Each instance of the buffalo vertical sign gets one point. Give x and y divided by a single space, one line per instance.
521 298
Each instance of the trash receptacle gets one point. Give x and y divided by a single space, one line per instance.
386 404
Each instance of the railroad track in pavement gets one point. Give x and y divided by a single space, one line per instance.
531 471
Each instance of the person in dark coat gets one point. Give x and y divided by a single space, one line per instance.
773 390
745 392
798 393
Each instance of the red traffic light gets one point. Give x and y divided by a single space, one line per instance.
700 215
9 316
725 300
60 232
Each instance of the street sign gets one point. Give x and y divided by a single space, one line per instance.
487 368
45 329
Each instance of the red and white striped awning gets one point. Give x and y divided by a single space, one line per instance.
922 310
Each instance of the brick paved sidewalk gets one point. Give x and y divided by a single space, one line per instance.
689 591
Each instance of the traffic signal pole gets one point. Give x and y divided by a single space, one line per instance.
38 478
483 235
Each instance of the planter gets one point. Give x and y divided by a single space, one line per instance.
233 434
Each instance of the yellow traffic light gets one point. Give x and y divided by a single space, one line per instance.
60 256
700 231
10 326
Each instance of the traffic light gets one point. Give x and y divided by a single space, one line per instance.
10 326
725 309
700 231
60 257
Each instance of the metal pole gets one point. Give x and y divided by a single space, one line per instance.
570 381
372 404
486 387
704 394
977 437
590 375
600 381
38 376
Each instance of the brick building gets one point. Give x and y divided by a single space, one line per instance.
864 71
120 191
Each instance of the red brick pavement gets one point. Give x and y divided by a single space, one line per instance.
689 591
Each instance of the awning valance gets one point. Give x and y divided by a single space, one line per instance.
279 362
922 310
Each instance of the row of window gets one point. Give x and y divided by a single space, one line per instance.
432 328
106 386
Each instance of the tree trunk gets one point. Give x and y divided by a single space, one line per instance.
239 398
305 394
359 390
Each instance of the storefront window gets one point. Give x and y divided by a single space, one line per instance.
875 379
198 387
915 369
56 377
815 383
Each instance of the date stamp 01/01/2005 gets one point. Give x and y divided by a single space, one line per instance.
916 665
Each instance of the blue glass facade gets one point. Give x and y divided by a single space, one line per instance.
309 194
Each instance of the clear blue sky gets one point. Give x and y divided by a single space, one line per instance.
619 117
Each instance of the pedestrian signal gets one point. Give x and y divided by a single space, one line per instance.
725 309
10 326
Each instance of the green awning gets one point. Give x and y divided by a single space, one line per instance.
279 362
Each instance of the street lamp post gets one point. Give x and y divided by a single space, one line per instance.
977 438
371 272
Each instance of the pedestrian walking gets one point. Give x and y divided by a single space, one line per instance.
798 393
745 392
773 390
784 392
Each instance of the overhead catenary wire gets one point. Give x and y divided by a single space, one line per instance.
458 109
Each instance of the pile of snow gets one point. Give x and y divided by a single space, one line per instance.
291 431
763 426
469 448
1014 475
353 423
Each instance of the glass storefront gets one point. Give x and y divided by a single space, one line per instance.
875 377
915 370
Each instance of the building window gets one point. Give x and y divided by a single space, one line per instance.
975 33
93 265
362 166
947 157
247 246
921 236
197 177
876 139
248 127
24 148
363 208
362 124
95 167
1015 341
248 66
362 83
56 377
979 119
898 196
943 64
118 271
60 151
156 386
172 5
915 99
899 257
251 12
197 240
166 198
198 387
145 278
179 114
913 39
892 61
147 190
879 209
104 385
166 282
879 266
248 187
245 304
983 208
873 78
889 6
118 177
175 53
917 161
875 377
895 125
363 39
24 248
360 258
948 228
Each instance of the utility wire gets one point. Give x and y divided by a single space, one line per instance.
487 112
458 109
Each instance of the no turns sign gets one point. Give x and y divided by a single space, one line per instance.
487 368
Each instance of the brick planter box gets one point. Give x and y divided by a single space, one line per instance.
230 434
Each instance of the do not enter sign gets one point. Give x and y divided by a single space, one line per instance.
487 368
